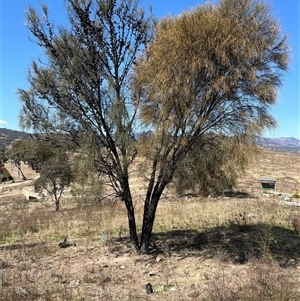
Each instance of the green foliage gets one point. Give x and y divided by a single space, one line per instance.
212 168
213 69
3 156
55 176
87 186
18 152
31 152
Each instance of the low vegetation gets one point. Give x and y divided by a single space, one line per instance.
150 114
240 246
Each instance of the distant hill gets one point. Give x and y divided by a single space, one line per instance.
288 144
7 136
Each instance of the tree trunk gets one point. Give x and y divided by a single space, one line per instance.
148 221
132 224
20 171
57 204
127 198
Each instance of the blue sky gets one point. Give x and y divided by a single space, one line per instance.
17 51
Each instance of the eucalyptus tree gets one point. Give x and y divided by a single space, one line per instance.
55 176
107 74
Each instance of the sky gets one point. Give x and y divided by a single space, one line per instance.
17 51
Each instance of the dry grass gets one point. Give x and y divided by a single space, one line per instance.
240 247
283 166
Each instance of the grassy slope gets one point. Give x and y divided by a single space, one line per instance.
229 248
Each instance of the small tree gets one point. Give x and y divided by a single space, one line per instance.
3 155
209 72
55 176
16 153
30 152
212 71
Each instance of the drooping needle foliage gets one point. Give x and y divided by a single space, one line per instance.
187 82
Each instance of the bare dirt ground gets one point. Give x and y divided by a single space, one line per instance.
238 247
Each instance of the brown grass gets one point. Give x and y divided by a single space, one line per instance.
244 246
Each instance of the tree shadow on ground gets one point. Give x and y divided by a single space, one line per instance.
20 246
235 243
236 194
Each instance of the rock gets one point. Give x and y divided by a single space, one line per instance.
75 283
65 244
158 259
149 289
30 194
104 238
289 263
151 273
122 267
240 258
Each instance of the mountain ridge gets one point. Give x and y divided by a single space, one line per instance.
7 136
290 144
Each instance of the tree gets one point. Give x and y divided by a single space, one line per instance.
3 156
209 72
82 90
41 151
16 153
30 152
55 176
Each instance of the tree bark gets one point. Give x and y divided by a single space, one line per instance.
57 204
127 198
132 224
148 221
20 171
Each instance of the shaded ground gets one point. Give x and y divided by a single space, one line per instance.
237 243
208 248
182 265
